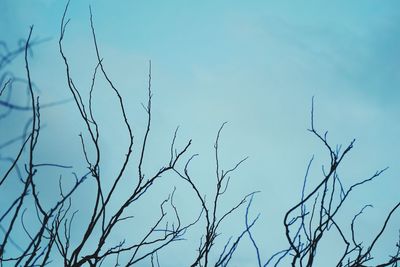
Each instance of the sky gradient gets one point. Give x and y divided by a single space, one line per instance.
255 64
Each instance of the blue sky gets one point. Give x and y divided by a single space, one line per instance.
255 64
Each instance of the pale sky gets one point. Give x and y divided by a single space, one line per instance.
255 64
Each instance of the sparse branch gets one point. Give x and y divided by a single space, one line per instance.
46 220
330 203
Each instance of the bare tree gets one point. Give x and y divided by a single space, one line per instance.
51 237
309 221
40 242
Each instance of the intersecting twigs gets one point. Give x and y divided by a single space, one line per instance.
40 240
35 231
7 55
103 220
309 220
53 235
212 213
16 208
10 83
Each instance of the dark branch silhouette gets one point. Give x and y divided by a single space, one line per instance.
52 234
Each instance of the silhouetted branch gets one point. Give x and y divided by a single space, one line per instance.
327 203
38 230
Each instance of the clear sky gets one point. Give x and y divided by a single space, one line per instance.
255 64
